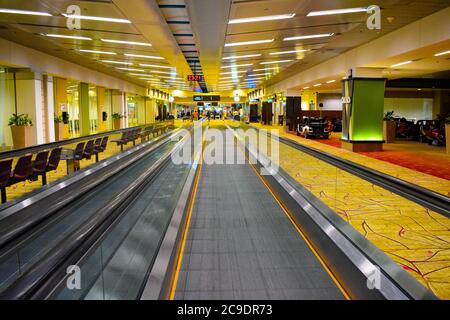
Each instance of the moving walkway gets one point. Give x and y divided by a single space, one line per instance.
140 226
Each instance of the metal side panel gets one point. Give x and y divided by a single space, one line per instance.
163 271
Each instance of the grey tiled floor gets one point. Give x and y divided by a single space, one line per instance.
241 245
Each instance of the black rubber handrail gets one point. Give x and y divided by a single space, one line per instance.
35 149
38 281
425 197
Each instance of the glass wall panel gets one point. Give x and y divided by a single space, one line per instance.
73 108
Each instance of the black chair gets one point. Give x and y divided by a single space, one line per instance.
23 170
103 144
5 174
39 166
88 150
123 140
78 155
51 165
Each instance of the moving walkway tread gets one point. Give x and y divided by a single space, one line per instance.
241 245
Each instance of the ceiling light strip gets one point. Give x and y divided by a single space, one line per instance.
262 18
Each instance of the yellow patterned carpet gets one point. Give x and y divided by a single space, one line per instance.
413 236
421 179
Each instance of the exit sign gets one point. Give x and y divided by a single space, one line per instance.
195 77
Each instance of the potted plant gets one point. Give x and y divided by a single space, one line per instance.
447 133
116 120
59 127
389 127
22 130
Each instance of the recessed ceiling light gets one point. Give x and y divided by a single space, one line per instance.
259 74
232 77
175 78
264 69
337 11
287 52
305 88
331 81
131 69
162 72
273 62
117 62
155 66
106 19
441 53
241 57
317 85
142 75
143 56
25 12
311 36
98 52
263 18
234 72
237 65
228 81
146 44
52 35
401 64
244 43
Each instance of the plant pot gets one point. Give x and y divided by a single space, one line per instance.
389 129
117 124
59 131
22 136
447 137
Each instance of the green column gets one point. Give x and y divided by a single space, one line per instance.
84 109
363 107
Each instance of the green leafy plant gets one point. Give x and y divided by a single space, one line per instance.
58 118
20 120
447 120
389 116
443 116
116 115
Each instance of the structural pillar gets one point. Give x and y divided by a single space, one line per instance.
101 108
85 128
30 101
61 102
363 109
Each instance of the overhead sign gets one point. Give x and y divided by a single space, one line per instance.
206 98
195 77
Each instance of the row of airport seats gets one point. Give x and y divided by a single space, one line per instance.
45 161
134 134
28 169
87 150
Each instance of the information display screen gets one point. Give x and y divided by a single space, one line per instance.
206 98
195 77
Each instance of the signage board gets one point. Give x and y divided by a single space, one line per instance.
206 98
195 77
